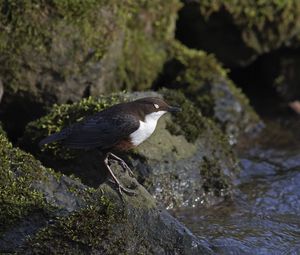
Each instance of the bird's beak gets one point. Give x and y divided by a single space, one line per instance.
174 109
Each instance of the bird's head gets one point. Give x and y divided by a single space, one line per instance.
155 107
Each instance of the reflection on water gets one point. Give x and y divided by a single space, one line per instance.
264 216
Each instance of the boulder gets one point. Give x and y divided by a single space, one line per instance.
63 51
201 77
186 162
45 212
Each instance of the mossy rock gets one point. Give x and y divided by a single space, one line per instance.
44 212
64 50
239 31
104 228
201 77
30 195
167 164
17 198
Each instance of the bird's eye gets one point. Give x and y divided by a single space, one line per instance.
156 106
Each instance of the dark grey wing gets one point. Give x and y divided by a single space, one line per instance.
100 131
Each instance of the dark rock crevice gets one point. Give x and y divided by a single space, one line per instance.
270 82
16 113
216 34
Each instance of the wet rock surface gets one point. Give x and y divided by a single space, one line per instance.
263 217
51 213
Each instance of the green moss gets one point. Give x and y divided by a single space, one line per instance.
190 123
18 170
190 120
199 71
145 50
29 28
214 179
199 67
264 24
140 65
104 225
89 228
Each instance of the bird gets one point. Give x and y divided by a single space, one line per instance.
118 128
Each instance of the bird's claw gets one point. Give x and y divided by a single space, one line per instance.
122 163
126 191
126 168
122 189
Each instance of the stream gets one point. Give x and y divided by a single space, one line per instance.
264 215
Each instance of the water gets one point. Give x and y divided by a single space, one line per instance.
264 215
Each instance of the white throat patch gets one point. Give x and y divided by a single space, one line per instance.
146 127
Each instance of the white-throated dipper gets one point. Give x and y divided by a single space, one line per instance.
117 128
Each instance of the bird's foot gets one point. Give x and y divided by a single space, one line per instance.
122 163
126 168
126 191
115 180
121 189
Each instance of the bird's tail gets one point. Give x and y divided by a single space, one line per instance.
52 138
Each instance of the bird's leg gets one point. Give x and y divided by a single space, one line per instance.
116 181
122 163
